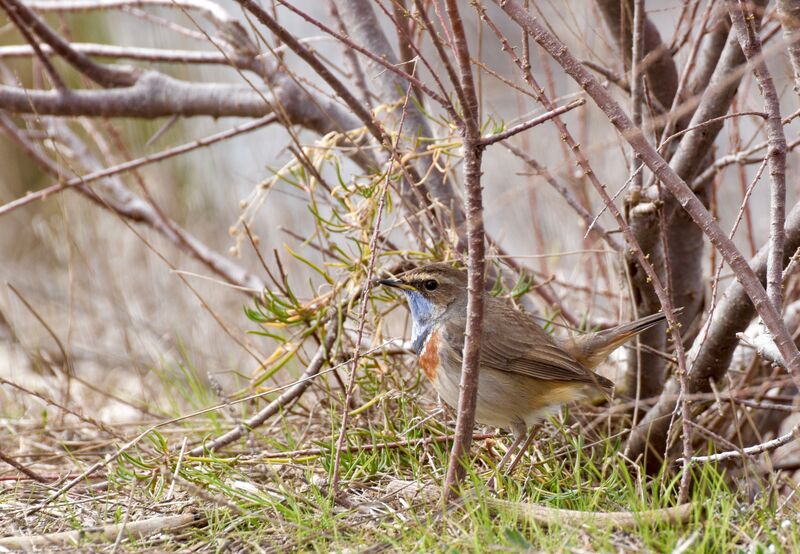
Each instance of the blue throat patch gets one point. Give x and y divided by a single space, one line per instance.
422 316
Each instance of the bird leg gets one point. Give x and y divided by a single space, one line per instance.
517 440
524 449
519 430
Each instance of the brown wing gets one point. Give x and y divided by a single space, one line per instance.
514 342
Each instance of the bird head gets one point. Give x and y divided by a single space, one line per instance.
430 290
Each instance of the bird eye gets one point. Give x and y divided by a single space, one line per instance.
430 284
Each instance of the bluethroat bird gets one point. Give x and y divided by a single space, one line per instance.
524 372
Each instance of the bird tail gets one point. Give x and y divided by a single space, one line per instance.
591 349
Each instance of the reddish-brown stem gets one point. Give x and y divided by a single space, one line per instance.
476 262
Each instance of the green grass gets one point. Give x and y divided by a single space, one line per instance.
389 497
288 505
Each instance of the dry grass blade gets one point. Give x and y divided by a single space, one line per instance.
136 530
545 515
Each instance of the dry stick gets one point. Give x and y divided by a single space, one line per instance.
637 177
751 47
211 10
362 316
682 373
21 468
637 85
137 530
137 163
677 186
793 434
367 447
153 95
706 123
545 515
473 151
538 120
127 52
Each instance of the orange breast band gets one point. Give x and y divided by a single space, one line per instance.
429 358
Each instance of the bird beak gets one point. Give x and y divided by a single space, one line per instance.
396 283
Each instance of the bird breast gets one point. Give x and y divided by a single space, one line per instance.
429 359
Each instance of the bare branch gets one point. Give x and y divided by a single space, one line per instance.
102 75
674 183
712 355
157 95
777 442
212 10
751 47
127 52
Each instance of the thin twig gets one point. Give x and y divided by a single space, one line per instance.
362 317
777 442
538 120
137 163
22 468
